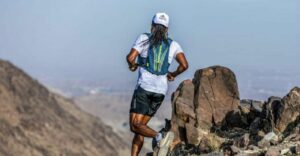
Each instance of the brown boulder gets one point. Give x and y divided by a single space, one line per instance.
289 117
202 104
216 95
183 112
283 113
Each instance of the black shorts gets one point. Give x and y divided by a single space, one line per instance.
145 102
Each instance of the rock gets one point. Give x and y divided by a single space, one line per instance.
183 115
250 110
297 149
242 141
207 118
259 127
264 144
212 154
268 140
193 135
245 109
184 102
285 151
283 114
261 134
253 147
227 150
182 149
271 113
273 152
213 141
236 118
250 153
216 95
203 103
272 137
289 116
255 105
294 135
255 126
203 146
235 150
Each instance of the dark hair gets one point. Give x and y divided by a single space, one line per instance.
158 36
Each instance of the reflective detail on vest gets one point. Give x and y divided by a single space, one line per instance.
156 61
159 57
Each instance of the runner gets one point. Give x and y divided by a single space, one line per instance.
155 52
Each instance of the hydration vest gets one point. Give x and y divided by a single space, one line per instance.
156 61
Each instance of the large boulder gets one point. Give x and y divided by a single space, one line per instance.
183 115
216 96
201 105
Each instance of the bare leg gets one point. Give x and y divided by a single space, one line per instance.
138 124
137 144
137 121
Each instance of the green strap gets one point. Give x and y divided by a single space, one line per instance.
159 58
163 59
155 58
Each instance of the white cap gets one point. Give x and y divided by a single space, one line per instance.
161 18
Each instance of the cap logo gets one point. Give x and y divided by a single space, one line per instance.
162 17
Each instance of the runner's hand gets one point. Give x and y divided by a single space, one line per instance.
133 68
170 77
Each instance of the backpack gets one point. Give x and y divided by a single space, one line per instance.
156 61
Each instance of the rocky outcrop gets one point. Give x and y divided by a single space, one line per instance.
216 95
289 112
208 118
280 115
36 122
204 104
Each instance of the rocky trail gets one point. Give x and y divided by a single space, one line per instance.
208 118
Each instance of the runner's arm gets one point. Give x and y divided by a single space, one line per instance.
131 57
183 65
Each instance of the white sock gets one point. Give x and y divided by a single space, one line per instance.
158 137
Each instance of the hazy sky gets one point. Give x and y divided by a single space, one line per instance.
90 38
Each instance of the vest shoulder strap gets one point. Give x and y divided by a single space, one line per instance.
148 34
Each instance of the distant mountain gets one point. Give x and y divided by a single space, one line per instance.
36 122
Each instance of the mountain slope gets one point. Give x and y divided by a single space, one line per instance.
36 122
